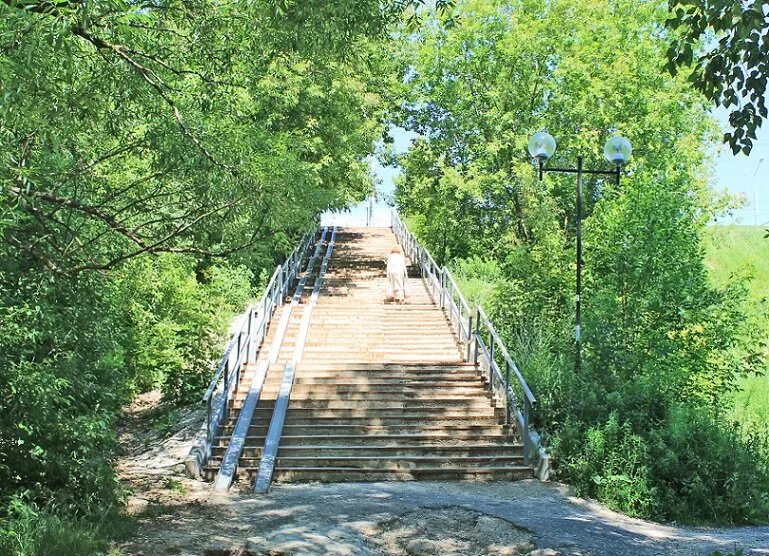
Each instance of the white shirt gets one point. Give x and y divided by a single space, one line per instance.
396 264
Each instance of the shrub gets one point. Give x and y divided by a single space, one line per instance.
29 531
610 462
706 472
178 317
63 379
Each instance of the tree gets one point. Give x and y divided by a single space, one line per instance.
724 46
155 159
661 346
188 128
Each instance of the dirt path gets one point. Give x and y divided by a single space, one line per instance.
182 516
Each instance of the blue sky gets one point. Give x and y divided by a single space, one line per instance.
736 175
732 173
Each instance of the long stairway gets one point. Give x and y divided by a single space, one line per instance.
382 392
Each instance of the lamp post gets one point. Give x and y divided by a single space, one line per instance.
617 150
755 191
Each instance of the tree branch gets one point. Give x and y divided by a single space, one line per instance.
46 7
95 212
158 85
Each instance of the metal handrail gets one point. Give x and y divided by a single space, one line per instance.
275 430
445 292
244 343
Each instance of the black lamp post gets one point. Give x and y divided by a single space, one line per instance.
617 151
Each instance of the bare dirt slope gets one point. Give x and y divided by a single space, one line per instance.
178 515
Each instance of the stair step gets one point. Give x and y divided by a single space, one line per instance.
385 440
364 453
301 397
355 474
355 366
385 375
388 412
410 462
432 430
382 403
372 416
358 382
404 451
381 393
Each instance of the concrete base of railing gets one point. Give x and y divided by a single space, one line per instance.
198 455
541 458
542 469
193 465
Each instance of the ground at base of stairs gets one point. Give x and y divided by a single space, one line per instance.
446 518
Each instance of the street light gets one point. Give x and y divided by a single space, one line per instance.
617 151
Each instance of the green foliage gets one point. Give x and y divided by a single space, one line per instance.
706 471
63 382
200 128
26 530
611 462
178 323
477 278
688 467
723 46
742 253
736 552
663 347
652 309
155 164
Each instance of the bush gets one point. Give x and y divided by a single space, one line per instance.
477 278
75 349
706 471
689 468
637 441
178 317
609 462
63 378
29 531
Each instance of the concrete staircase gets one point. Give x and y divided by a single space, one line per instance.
381 393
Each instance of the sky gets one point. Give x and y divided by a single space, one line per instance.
736 175
739 175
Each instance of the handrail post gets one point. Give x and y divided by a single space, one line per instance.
227 376
209 434
286 282
237 360
469 336
491 363
442 288
458 305
526 435
507 392
249 337
477 335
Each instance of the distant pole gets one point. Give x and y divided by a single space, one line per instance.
755 191
369 210
578 323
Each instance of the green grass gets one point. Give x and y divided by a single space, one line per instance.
29 531
733 251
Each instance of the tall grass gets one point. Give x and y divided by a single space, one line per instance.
26 530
